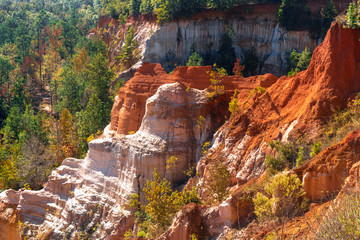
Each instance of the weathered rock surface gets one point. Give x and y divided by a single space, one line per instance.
292 106
129 107
325 174
257 30
90 194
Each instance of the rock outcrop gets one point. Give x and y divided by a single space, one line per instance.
256 33
89 195
325 174
129 107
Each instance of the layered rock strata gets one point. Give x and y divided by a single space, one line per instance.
129 106
87 196
256 34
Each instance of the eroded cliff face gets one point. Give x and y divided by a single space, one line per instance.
292 105
129 106
290 108
255 34
89 195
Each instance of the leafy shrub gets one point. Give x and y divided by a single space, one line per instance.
258 90
129 52
341 221
283 199
215 88
221 4
233 105
218 182
316 149
162 204
300 158
342 123
275 164
284 157
298 61
353 16
194 60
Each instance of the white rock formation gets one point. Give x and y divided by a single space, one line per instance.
171 42
88 195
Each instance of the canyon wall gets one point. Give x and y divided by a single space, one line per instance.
255 30
87 197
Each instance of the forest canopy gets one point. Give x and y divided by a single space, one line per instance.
54 91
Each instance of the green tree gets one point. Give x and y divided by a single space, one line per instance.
284 157
5 69
93 119
129 52
233 105
286 16
221 4
99 78
316 149
71 91
352 16
299 61
216 88
165 10
135 7
194 60
161 206
21 125
218 182
146 6
328 17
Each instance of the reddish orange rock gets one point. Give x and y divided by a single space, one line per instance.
129 107
325 174
292 106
